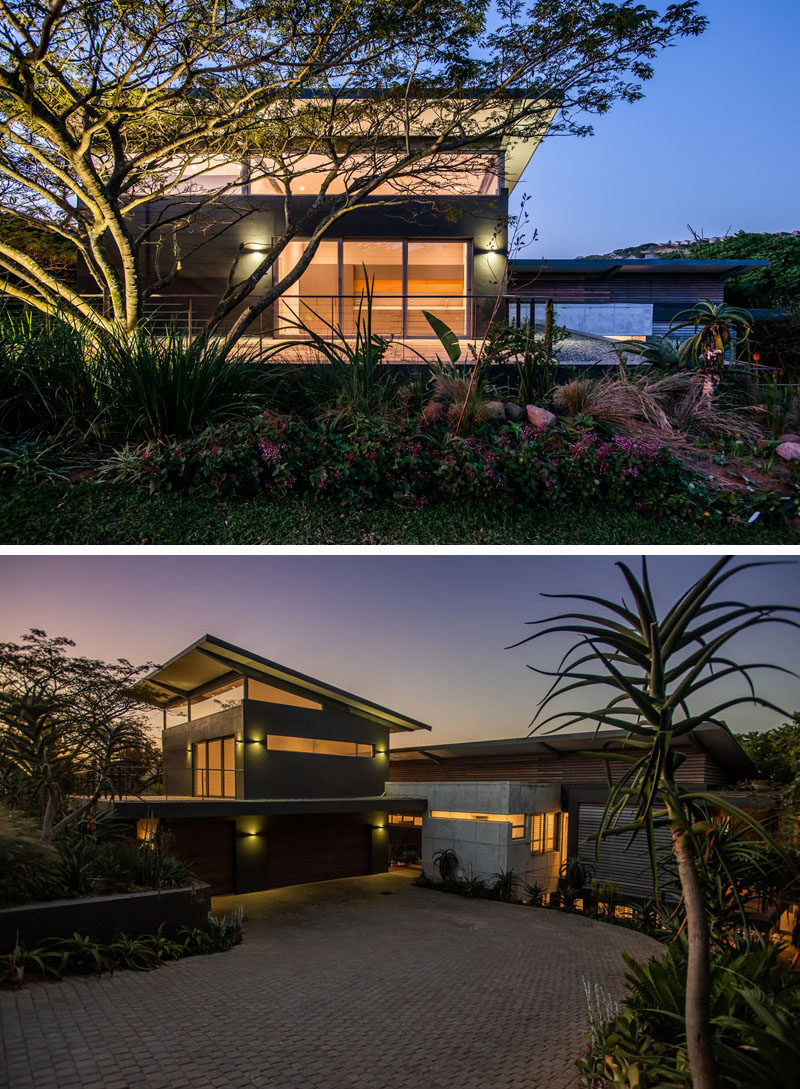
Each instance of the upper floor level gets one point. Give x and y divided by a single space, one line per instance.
236 725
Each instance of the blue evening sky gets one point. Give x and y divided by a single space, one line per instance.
714 143
424 635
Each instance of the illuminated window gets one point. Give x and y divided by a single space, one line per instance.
318 746
545 832
405 818
406 279
257 690
227 695
516 820
147 829
214 768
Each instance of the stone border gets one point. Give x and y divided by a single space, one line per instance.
103 917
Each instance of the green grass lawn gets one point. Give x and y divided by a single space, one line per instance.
92 513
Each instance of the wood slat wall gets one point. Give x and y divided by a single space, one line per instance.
619 289
571 768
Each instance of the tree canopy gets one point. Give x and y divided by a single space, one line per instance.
117 117
69 725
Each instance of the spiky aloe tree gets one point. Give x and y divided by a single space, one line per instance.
657 672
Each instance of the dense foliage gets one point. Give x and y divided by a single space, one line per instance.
93 855
391 461
754 1007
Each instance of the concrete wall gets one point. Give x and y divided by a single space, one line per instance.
602 319
485 847
103 917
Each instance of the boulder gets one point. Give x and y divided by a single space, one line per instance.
495 411
515 413
789 437
539 417
432 412
789 451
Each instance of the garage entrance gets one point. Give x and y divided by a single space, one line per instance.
317 849
208 847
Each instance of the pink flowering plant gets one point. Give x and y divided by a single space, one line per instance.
391 461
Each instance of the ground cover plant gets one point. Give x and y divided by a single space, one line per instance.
80 954
162 415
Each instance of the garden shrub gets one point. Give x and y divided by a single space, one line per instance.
29 870
382 461
755 1004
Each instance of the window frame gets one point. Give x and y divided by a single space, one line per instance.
545 837
314 741
201 772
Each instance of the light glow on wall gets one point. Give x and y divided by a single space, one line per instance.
516 820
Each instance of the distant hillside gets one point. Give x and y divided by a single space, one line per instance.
723 247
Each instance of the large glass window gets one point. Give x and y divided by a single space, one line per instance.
314 298
318 746
214 768
227 695
406 278
266 693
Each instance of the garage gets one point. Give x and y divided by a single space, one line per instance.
317 849
208 847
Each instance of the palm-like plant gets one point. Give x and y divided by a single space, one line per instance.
658 670
717 329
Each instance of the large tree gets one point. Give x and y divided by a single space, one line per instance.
656 678
69 725
116 115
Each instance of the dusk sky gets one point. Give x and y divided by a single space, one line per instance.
714 143
423 635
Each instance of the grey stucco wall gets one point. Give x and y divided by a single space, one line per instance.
485 847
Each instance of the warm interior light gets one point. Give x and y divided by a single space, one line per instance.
516 820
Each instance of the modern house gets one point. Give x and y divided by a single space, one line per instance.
526 804
434 239
613 299
271 777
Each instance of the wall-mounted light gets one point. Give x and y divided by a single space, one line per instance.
189 748
254 247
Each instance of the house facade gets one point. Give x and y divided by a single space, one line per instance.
618 299
526 804
271 777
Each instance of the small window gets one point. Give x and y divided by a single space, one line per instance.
318 746
545 832
405 818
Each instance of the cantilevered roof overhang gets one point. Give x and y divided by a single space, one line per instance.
606 267
209 661
156 805
719 744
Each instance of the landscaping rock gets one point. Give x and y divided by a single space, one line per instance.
432 412
495 411
789 451
789 437
539 417
515 413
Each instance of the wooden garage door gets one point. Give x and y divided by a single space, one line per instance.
208 847
316 849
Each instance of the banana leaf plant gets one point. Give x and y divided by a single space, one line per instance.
657 675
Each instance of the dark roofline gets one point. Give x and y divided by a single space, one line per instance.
271 669
708 738
156 805
607 266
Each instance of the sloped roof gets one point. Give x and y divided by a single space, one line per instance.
211 660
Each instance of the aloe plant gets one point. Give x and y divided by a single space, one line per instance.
660 670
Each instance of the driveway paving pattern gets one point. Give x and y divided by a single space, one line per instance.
368 983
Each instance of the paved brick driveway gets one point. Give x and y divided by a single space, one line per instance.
336 986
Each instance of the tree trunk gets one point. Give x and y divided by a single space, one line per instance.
49 816
698 1027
